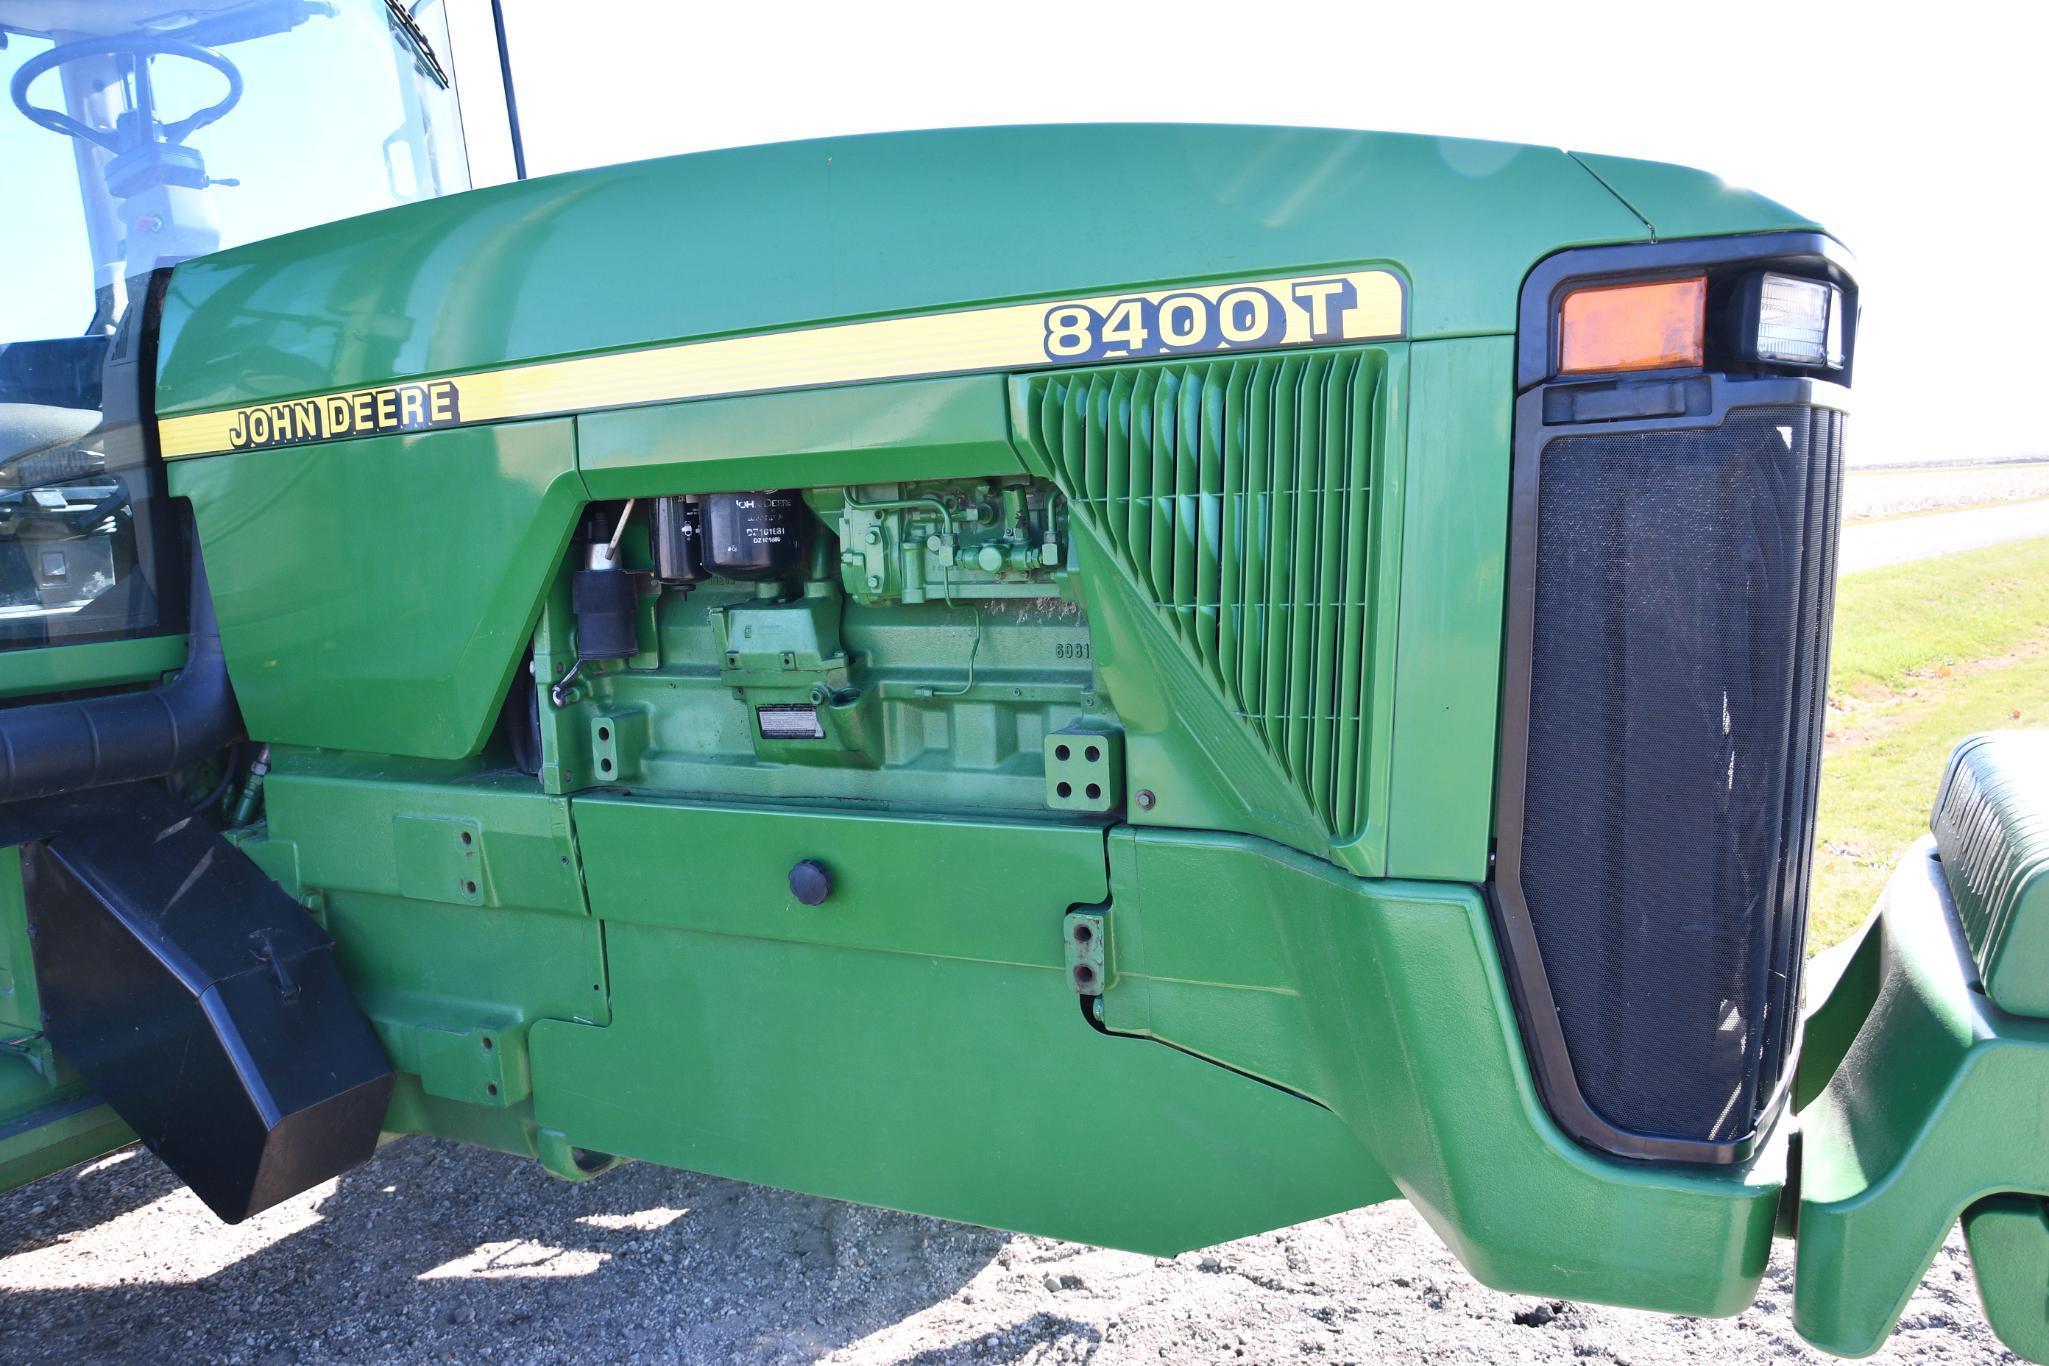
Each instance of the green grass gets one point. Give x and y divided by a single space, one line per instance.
1925 654
1909 619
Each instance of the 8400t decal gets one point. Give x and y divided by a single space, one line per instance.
1241 317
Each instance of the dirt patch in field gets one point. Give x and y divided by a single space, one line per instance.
1861 715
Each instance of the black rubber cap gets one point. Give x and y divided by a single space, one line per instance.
810 883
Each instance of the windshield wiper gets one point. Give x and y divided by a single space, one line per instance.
402 18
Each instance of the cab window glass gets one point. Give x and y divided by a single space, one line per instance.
152 134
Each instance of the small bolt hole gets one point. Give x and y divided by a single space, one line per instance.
490 1088
604 765
1092 754
1084 974
604 732
487 1043
1061 752
466 838
469 888
1082 934
1095 791
1065 789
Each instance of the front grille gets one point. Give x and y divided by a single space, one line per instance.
1238 494
1684 582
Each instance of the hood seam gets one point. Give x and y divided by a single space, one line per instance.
1649 226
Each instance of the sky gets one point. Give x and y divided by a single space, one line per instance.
1915 134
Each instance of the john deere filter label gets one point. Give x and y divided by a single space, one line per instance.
1253 315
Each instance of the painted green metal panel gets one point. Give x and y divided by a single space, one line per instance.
101 664
1681 201
912 1042
375 595
1935 1104
965 1089
42 1131
454 946
925 1009
2008 1237
901 884
761 238
488 840
49 1119
21 1009
1448 651
1385 1002
875 433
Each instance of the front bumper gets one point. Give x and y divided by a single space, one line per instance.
1920 1102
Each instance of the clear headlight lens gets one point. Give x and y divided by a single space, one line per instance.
1799 322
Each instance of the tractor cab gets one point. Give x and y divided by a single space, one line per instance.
135 135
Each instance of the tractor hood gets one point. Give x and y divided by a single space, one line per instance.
804 234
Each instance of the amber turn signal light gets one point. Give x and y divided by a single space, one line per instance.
1632 327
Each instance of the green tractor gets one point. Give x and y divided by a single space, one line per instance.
1140 684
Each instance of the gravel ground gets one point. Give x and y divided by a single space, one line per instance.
435 1252
1878 492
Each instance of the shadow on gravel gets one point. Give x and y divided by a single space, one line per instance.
79 1199
1054 1334
432 1251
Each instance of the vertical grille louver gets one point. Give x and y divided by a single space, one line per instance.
1238 494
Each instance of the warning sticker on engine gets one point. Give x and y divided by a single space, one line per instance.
788 721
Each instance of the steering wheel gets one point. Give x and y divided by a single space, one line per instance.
135 44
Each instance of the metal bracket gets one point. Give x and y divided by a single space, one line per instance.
1085 935
1085 768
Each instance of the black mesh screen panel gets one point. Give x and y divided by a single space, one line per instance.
1684 584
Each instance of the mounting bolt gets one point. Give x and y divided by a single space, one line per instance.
810 883
1146 799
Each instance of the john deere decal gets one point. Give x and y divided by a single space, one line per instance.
360 412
